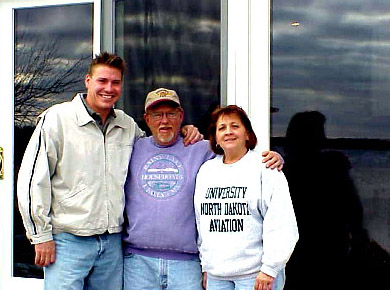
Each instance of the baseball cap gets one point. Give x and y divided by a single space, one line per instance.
161 95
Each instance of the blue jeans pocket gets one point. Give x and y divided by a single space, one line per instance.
128 255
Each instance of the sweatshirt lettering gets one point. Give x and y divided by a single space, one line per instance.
226 225
225 206
226 192
161 177
209 208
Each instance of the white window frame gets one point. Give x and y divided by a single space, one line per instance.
248 71
7 7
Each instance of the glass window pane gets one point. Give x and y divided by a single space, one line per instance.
53 48
173 44
332 57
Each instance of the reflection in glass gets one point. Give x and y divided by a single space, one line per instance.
336 62
173 44
53 47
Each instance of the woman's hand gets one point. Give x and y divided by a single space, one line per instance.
264 282
204 280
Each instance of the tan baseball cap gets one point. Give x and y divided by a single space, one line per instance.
161 95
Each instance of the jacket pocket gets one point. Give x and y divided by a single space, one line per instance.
119 156
79 188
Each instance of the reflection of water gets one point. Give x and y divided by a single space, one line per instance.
371 175
371 172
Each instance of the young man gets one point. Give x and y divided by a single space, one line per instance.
160 240
70 184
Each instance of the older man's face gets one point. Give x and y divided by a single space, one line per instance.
164 121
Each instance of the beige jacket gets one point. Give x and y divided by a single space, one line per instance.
72 176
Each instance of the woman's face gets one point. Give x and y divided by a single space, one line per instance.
231 134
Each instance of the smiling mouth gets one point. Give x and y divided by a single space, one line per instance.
165 129
107 97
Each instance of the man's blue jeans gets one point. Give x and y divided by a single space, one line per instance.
242 284
146 273
94 262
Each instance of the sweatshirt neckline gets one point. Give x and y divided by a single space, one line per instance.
164 146
237 163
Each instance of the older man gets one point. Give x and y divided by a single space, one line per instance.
160 239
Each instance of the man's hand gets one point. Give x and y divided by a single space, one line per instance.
45 253
273 160
264 282
191 135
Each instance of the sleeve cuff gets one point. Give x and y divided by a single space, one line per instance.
269 271
41 238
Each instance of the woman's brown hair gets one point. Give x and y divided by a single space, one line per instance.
230 110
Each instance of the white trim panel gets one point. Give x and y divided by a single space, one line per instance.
248 74
237 74
259 70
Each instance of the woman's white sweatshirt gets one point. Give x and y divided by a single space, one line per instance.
245 218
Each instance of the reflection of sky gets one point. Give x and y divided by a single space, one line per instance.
337 61
173 44
63 35
71 24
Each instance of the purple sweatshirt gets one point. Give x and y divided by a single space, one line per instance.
159 192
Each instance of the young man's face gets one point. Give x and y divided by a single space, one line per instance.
164 122
104 87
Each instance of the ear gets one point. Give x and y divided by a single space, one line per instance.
182 115
87 80
147 118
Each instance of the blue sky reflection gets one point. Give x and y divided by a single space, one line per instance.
336 61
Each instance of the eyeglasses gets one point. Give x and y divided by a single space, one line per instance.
159 115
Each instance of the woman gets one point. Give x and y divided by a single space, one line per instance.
245 219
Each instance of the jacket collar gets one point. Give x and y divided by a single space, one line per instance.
83 117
